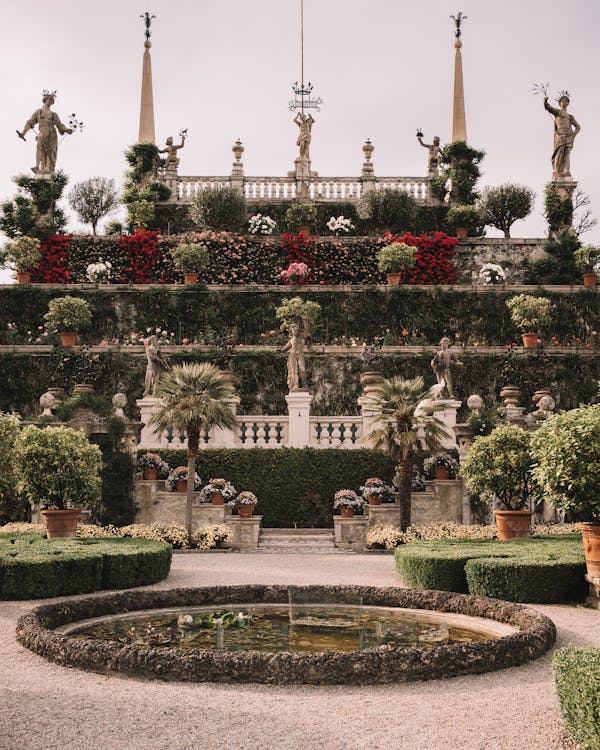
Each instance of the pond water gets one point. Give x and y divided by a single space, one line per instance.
297 628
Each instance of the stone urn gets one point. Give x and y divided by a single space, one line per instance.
511 395
83 388
371 381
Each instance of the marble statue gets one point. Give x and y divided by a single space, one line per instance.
171 161
433 158
48 123
441 363
155 366
566 128
296 366
305 123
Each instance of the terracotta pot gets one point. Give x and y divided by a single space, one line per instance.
245 511
440 472
217 498
590 533
589 279
346 512
393 279
530 340
68 339
181 485
190 278
150 473
23 277
462 233
61 523
304 231
374 499
513 524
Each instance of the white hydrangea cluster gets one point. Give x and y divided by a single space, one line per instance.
337 224
260 224
100 271
491 273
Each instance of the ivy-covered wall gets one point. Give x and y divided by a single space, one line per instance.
334 381
247 314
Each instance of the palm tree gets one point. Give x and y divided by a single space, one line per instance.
407 416
195 399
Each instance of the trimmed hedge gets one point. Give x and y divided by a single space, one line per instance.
32 567
577 678
539 569
293 485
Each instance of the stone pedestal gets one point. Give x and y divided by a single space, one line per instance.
245 531
386 514
299 418
148 436
594 598
448 416
441 502
350 533
371 415
223 438
155 505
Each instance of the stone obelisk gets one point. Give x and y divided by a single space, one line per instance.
459 120
146 133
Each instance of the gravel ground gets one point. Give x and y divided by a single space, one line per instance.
50 707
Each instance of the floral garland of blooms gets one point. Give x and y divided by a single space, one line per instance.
54 265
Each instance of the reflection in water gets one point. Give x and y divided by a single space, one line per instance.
273 628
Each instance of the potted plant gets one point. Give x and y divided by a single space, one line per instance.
140 214
24 253
491 274
300 217
441 466
295 273
58 468
339 224
244 504
217 491
152 466
566 450
347 502
375 491
190 258
587 260
530 314
177 480
259 224
498 468
464 219
68 315
394 259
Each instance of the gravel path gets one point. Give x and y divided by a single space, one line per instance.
46 706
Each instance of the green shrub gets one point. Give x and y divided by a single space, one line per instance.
587 258
140 213
388 210
396 258
300 215
293 485
190 257
68 314
529 313
221 209
558 211
577 678
432 567
24 253
524 580
11 506
502 205
468 217
34 568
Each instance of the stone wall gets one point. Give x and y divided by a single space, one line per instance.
514 255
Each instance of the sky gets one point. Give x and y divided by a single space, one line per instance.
224 70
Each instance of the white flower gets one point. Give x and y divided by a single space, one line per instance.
339 224
259 224
491 273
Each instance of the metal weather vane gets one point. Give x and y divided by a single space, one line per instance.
147 23
303 97
458 20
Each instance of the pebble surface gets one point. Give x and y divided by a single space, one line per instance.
47 706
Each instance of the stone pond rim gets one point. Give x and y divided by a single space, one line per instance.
536 635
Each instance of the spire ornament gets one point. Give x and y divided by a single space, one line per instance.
458 21
147 23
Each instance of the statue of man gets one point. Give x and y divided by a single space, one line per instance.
296 366
156 364
440 364
433 158
305 123
566 128
171 161
48 123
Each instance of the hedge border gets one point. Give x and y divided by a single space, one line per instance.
536 635
577 679
94 565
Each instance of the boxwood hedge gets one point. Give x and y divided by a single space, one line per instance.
32 567
543 570
577 678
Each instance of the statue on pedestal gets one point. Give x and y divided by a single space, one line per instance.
305 123
156 364
171 161
441 363
48 123
296 366
566 128
433 158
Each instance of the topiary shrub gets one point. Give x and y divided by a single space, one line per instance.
68 314
501 206
388 210
577 679
220 209
300 215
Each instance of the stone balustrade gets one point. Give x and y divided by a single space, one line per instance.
279 189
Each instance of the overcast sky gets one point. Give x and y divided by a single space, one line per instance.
224 70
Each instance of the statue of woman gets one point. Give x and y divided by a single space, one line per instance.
296 366
48 123
566 128
155 365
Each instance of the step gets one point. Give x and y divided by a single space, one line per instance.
296 541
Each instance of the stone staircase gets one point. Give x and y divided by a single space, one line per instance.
297 541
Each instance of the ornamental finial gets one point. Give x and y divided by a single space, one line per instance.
458 20
147 23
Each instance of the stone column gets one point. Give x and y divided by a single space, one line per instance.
299 419
146 132
237 169
149 438
459 120
368 172
368 404
448 416
223 438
